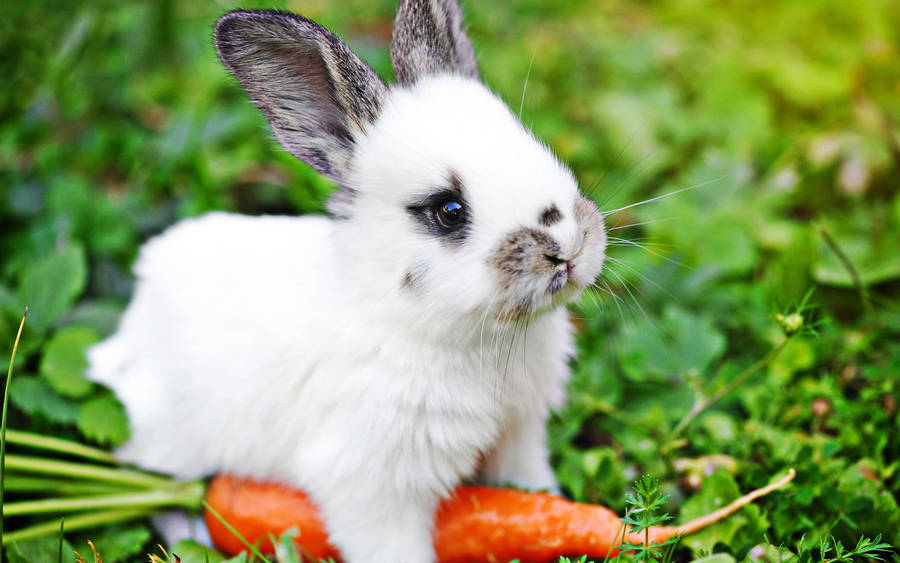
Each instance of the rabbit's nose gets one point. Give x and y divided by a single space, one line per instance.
554 258
560 263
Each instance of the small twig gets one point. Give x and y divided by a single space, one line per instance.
713 517
9 371
851 269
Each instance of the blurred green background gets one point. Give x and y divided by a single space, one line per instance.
116 119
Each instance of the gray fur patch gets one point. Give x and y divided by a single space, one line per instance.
428 38
317 95
414 278
340 203
522 256
550 216
589 218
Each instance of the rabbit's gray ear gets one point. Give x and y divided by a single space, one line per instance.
315 92
428 38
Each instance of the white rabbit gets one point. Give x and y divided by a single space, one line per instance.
378 357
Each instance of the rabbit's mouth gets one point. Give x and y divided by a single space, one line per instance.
535 278
542 296
561 278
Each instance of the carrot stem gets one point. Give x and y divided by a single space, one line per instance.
187 495
86 471
58 445
75 523
62 485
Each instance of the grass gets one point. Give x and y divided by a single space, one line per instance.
9 372
704 360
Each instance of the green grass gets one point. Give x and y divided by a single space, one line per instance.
118 120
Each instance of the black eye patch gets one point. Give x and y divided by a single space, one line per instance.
444 214
550 216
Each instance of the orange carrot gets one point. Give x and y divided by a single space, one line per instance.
256 510
474 524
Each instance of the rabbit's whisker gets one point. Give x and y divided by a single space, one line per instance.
633 298
599 182
624 242
634 270
616 298
620 227
618 241
663 196
635 170
528 73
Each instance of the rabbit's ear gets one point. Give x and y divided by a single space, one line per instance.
315 92
428 38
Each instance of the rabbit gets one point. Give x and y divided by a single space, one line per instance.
414 338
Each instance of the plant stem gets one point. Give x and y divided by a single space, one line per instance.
705 403
62 527
187 495
85 471
848 265
646 552
231 529
58 445
75 523
9 371
63 486
697 524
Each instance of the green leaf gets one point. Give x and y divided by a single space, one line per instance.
9 302
93 219
876 259
102 316
727 244
880 514
50 285
40 549
64 360
798 355
103 420
681 343
192 552
119 543
36 398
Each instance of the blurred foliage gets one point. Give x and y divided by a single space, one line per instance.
783 118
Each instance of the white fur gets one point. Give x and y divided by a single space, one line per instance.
287 349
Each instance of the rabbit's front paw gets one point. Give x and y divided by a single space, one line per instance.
383 530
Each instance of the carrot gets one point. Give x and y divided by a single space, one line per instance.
256 510
474 524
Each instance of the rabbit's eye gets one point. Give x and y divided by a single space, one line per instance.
450 214
444 214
